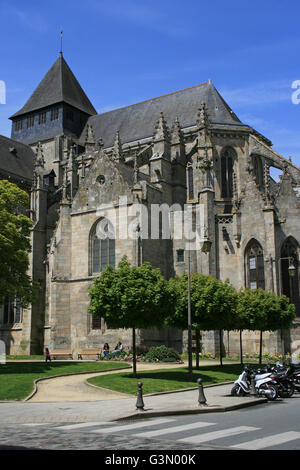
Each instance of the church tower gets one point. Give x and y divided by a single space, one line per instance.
57 111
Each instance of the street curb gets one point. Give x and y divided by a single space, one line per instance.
36 381
201 410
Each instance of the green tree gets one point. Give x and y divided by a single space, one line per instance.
130 297
264 311
213 303
14 244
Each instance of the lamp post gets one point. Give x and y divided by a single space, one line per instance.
190 356
205 248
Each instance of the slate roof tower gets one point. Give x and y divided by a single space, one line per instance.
57 106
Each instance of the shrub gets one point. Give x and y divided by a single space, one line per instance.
162 353
118 355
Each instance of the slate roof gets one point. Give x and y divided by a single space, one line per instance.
16 159
58 85
138 121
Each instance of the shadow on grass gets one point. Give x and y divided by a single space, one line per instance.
42 367
183 373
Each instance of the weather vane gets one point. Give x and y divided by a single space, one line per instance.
61 40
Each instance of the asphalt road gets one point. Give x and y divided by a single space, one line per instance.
270 426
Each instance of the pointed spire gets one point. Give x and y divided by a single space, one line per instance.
59 85
176 133
72 158
89 139
202 117
161 129
39 157
65 185
117 149
135 169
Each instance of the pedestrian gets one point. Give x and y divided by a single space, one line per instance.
48 357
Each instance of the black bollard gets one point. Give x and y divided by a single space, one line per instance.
140 402
201 399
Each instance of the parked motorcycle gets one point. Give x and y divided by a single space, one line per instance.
295 373
281 376
263 384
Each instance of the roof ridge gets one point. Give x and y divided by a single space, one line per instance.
151 99
15 141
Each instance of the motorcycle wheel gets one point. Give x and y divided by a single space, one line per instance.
287 391
237 391
273 391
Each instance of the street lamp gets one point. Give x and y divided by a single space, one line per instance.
206 247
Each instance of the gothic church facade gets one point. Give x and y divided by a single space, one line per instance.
184 148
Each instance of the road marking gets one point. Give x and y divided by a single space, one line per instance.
211 436
182 428
269 441
35 424
133 426
82 425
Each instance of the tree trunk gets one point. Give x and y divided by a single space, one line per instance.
221 354
134 352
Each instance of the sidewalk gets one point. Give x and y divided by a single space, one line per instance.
71 399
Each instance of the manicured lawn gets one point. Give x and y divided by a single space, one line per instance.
168 379
16 378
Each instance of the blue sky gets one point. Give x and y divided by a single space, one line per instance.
125 51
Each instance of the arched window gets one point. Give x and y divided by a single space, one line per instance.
289 285
190 182
102 246
258 170
227 159
255 265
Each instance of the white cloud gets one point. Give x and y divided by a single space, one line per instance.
138 13
29 19
259 93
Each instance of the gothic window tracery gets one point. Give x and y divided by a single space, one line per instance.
290 284
255 265
102 250
227 159
190 173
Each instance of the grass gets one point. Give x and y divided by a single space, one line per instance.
11 357
16 378
166 380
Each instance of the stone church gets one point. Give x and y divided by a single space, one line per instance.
185 149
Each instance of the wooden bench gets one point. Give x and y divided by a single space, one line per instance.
90 352
61 352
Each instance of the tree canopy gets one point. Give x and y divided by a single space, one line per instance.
14 244
130 296
265 311
213 302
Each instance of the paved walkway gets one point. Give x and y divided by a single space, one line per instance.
74 387
70 399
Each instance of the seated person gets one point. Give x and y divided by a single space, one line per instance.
118 348
106 349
